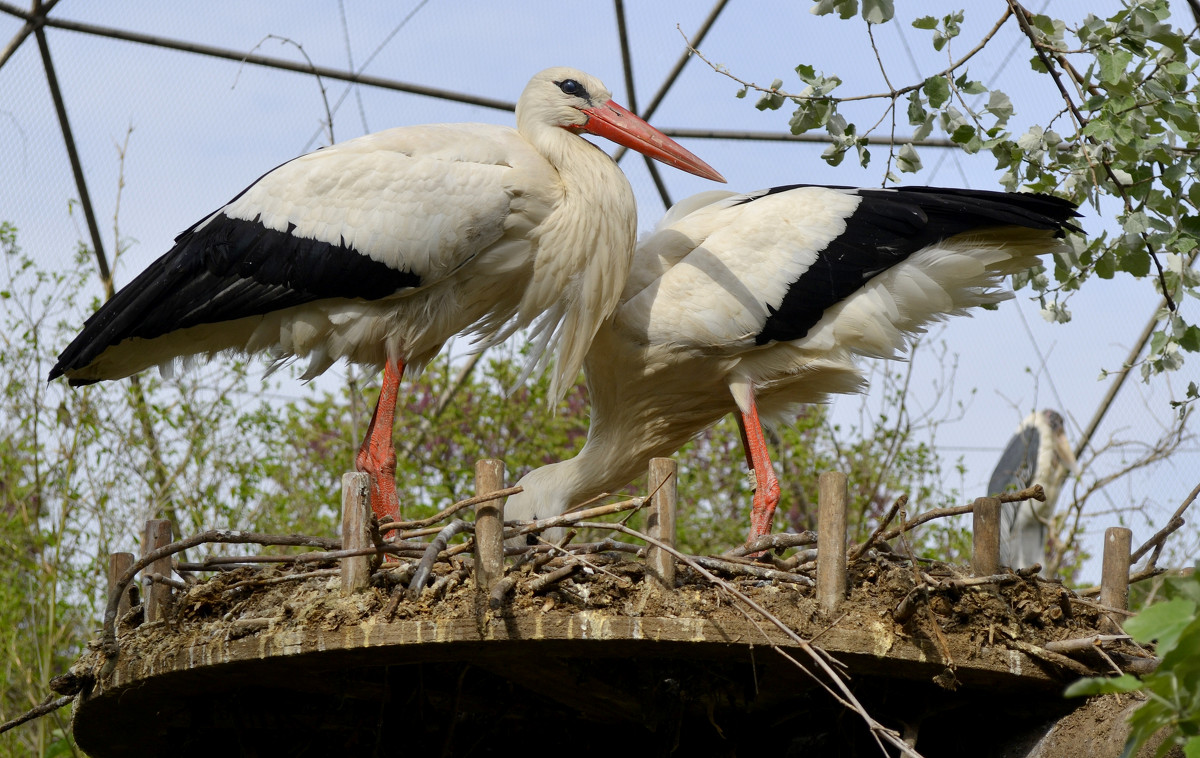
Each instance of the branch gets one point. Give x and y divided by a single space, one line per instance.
879 96
47 706
441 515
883 523
819 656
108 643
1173 524
1023 17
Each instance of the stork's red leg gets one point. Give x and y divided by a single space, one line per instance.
766 493
377 455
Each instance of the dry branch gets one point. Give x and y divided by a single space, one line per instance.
1029 493
286 578
1084 643
773 542
108 643
1161 535
883 524
545 580
390 526
1051 657
822 659
936 513
425 567
758 572
47 706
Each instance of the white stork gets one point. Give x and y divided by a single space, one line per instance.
379 249
755 304
1039 453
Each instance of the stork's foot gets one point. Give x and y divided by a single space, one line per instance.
766 499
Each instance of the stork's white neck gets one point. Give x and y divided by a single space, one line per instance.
583 250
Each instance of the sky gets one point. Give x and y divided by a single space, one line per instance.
197 130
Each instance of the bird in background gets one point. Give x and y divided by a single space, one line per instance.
379 249
756 304
1039 453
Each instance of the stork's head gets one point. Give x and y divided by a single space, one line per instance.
570 99
1059 441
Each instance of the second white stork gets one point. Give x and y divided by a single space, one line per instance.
1039 453
379 249
755 304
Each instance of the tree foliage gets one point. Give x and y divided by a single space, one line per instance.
1173 690
1126 139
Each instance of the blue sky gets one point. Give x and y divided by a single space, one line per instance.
204 128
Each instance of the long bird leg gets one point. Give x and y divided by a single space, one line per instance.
766 492
377 455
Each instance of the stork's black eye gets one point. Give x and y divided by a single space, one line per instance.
572 87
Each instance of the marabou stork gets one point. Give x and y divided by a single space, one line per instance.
755 304
379 249
1039 453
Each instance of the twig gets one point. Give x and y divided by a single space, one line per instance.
47 706
758 572
1023 17
108 643
170 581
526 527
545 580
1098 606
936 513
882 95
822 659
1083 643
1173 524
425 567
1057 659
285 578
1029 493
448 582
780 541
441 515
883 523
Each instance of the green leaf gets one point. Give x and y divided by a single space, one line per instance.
963 134
1163 622
1112 64
1190 341
925 22
916 108
937 89
878 11
1191 749
907 160
844 8
1102 685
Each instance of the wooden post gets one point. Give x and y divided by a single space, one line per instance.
157 595
356 530
1114 578
118 564
489 525
985 527
831 540
661 521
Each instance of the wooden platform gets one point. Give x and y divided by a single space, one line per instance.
592 679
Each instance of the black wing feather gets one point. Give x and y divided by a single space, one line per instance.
229 269
888 226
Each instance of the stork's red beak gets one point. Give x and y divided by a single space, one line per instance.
619 124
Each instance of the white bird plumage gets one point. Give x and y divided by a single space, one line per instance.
379 249
755 304
1038 453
